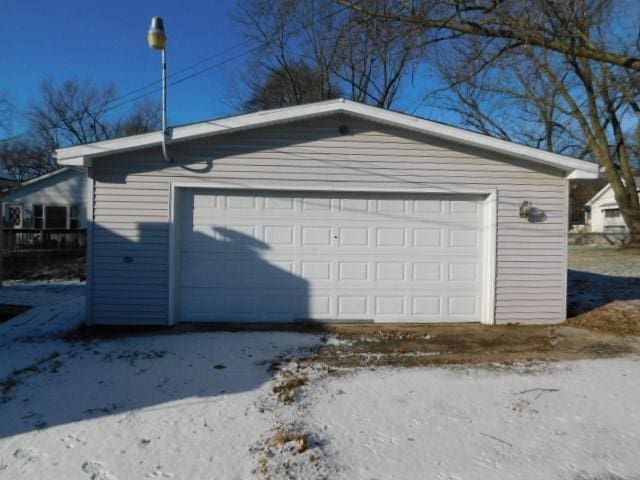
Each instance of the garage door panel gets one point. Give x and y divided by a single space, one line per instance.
338 256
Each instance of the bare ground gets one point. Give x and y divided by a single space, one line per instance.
469 344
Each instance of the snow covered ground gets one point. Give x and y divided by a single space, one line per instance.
578 420
209 405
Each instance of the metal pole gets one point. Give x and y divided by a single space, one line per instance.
165 132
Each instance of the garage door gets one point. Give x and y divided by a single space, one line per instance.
288 256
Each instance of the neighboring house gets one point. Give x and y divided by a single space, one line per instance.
602 213
56 200
580 192
332 211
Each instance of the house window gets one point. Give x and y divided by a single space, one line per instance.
612 213
54 216
73 216
13 216
38 216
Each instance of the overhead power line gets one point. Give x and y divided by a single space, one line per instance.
262 45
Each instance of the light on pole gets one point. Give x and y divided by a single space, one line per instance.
157 39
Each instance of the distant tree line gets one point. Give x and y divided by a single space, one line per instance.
69 113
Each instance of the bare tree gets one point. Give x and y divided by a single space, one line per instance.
367 58
570 95
294 85
70 113
77 112
144 116
534 23
22 159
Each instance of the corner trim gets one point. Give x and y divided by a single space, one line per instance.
490 257
89 267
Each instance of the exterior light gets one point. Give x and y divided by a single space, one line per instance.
156 37
525 209
157 40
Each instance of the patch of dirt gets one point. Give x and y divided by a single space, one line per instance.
468 345
35 268
619 318
7 312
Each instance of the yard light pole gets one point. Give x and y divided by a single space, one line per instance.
157 40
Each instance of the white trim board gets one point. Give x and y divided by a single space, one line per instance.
89 254
490 226
83 155
43 177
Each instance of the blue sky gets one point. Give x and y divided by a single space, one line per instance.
106 42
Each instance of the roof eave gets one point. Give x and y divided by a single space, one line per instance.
81 155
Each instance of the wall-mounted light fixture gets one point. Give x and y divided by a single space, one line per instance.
343 129
525 209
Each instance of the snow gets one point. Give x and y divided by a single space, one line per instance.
202 405
559 421
181 406
56 308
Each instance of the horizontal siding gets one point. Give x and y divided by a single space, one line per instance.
132 198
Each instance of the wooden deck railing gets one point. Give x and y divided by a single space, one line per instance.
32 239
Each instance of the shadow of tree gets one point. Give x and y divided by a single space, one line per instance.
88 380
587 291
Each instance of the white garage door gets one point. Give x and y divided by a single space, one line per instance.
287 256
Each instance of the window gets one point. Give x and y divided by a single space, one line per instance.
38 216
612 213
13 216
54 216
73 216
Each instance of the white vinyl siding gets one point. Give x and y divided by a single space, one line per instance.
132 197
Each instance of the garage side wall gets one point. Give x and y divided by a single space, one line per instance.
130 269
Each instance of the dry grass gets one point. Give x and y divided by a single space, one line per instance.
469 344
288 384
619 318
614 261
288 434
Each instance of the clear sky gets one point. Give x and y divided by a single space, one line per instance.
105 41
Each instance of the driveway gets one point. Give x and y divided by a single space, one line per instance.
263 405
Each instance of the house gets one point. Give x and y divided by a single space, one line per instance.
56 200
331 211
580 192
602 213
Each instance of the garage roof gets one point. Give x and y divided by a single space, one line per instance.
82 155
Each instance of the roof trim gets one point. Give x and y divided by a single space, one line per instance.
82 155
43 177
597 195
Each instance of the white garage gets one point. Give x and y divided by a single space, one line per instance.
332 212
341 256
